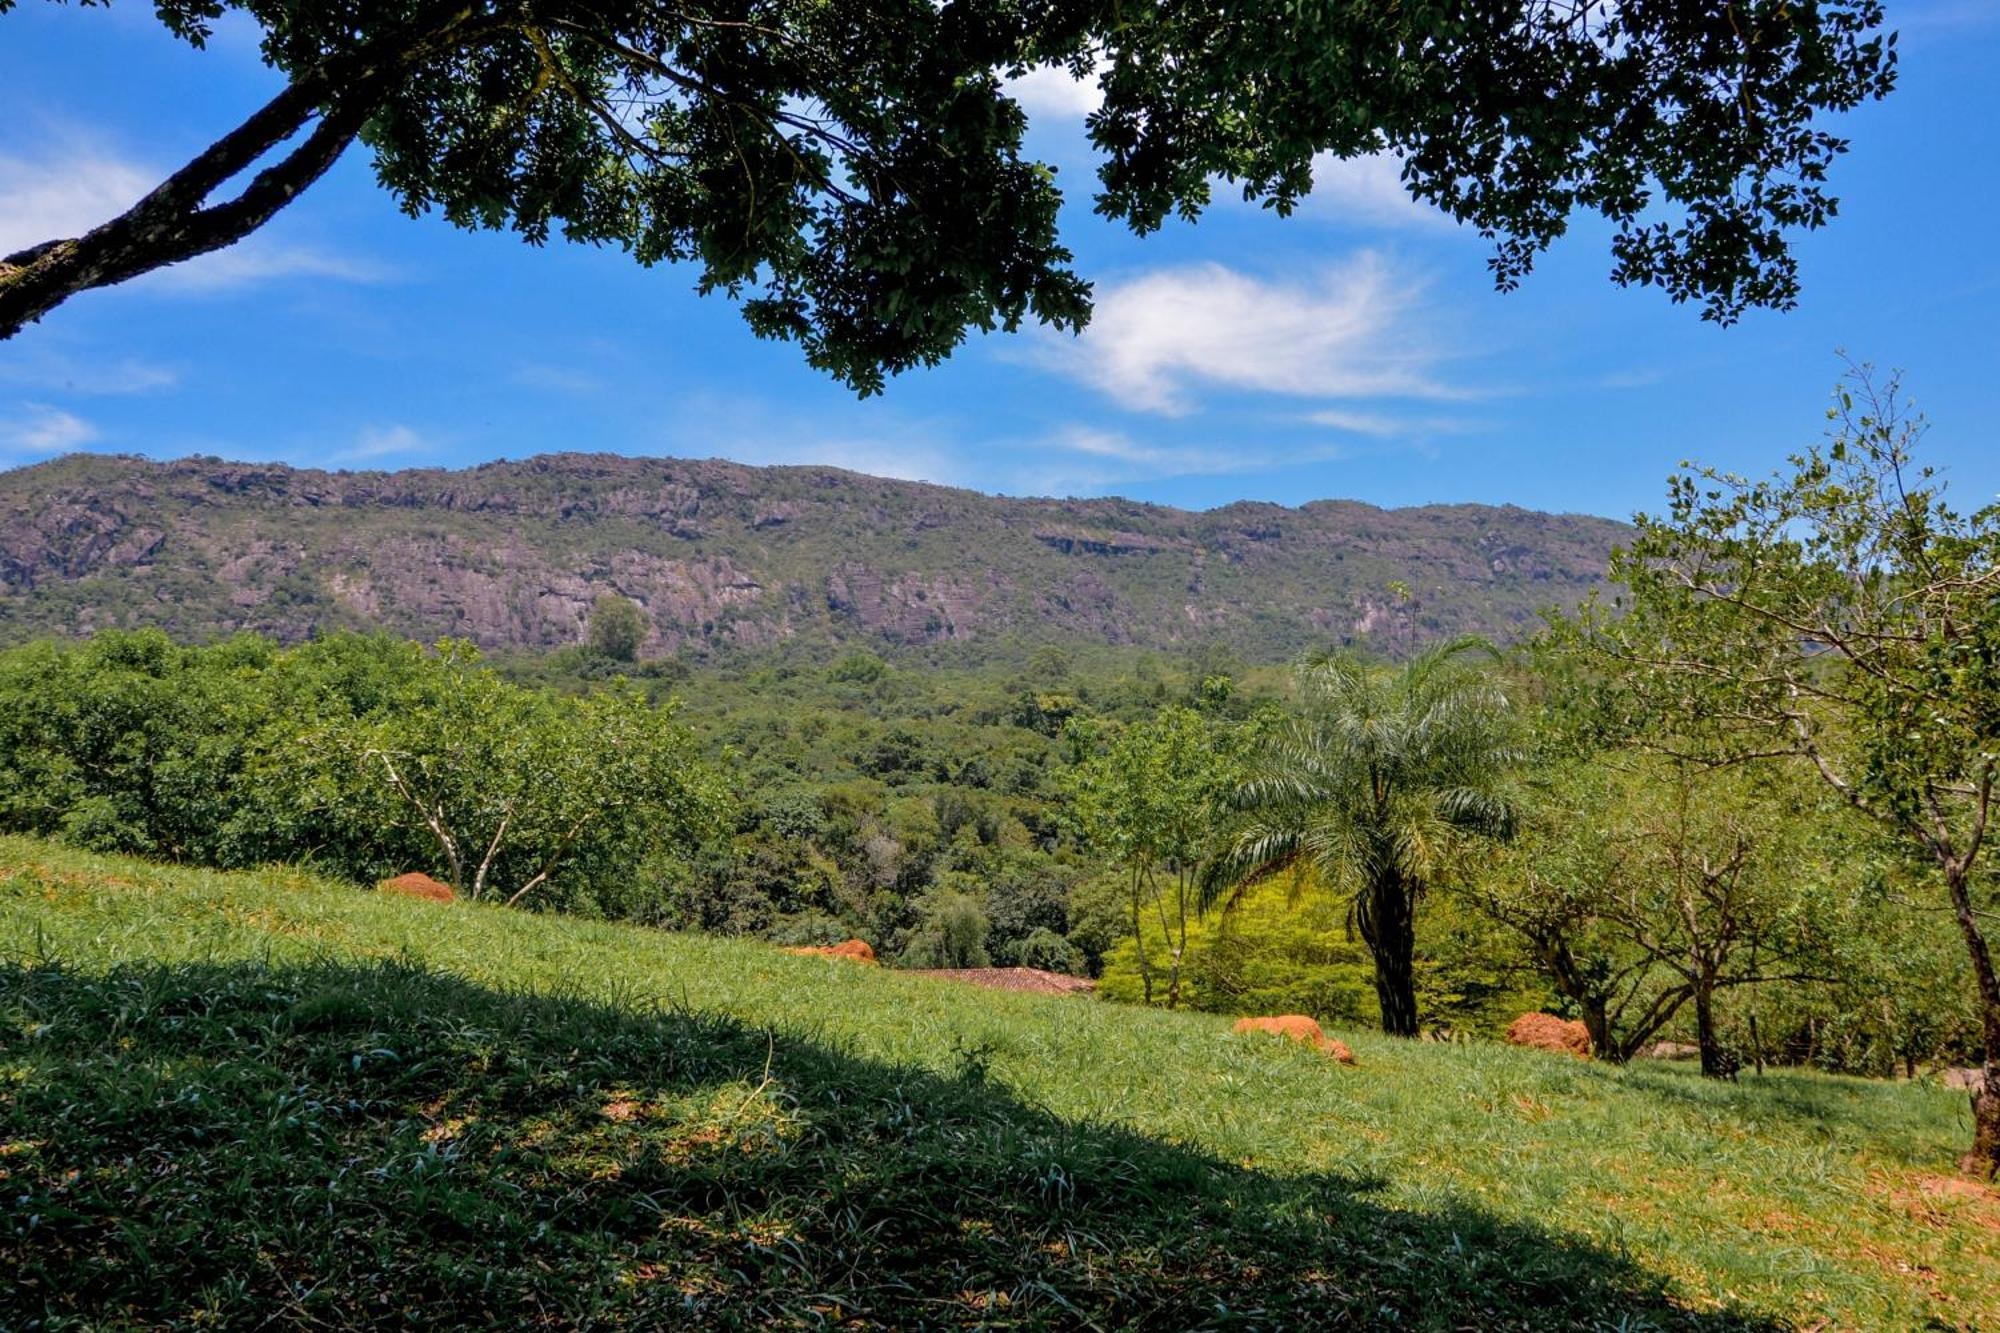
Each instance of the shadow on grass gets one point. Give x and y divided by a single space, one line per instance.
1828 1107
344 1146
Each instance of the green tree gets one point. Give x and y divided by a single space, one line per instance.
1151 801
510 786
1376 783
854 173
1842 617
617 627
1643 885
951 932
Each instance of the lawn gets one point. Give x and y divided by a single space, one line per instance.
233 1099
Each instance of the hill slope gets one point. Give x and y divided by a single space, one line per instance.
513 554
232 1098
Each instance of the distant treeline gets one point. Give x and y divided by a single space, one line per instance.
1044 816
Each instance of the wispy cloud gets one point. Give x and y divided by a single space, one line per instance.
261 259
1350 331
1392 426
66 196
874 438
537 375
39 369
379 443
38 428
905 459
79 184
1082 459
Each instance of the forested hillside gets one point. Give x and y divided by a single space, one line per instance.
722 556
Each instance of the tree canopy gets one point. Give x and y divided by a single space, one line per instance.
1842 617
855 174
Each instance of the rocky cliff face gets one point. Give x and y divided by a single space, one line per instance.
720 555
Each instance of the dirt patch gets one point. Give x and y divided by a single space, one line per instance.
1299 1028
1546 1032
1014 978
417 885
854 951
1940 1201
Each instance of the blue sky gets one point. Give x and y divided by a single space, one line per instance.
1356 350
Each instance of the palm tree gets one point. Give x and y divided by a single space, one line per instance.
1377 782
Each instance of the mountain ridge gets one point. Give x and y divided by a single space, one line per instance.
726 555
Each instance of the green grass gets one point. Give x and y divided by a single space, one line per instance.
232 1099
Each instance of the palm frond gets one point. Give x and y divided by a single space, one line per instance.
1258 852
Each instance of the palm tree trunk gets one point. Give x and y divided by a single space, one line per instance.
1389 931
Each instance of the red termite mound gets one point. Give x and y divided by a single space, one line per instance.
853 950
1299 1028
416 885
1546 1032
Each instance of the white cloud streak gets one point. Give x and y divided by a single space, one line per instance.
40 429
63 374
377 443
1349 331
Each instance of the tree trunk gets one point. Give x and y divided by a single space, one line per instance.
1983 1161
1592 1004
1139 938
1391 937
1704 1029
1597 1021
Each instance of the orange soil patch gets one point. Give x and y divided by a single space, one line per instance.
1299 1028
1941 1200
855 951
1546 1032
416 885
1013 978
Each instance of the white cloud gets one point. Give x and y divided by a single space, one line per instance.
1051 91
1084 459
1349 331
81 185
1391 425
1155 461
40 429
379 442
259 259
1368 191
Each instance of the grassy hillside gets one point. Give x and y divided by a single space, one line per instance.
231 1098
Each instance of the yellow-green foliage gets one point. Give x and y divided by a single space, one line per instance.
1283 950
